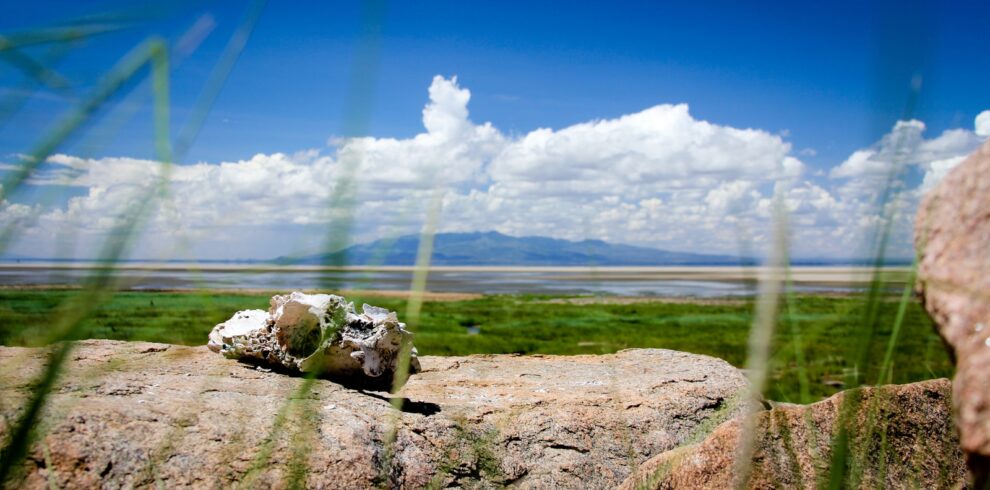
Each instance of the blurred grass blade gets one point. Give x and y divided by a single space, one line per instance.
218 77
58 34
887 208
797 340
153 52
124 110
120 74
341 205
20 95
37 70
421 272
760 339
888 358
357 118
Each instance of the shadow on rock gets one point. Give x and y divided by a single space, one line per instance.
406 405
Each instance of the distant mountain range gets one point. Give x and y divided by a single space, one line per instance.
493 248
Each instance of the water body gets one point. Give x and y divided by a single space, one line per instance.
619 281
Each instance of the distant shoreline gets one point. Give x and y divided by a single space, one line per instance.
234 266
825 275
439 296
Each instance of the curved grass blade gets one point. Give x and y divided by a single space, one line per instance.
37 70
109 86
58 34
153 52
20 95
887 207
218 77
364 73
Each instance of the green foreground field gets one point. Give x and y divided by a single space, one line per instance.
816 339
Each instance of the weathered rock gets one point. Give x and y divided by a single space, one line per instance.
138 414
952 235
319 333
900 436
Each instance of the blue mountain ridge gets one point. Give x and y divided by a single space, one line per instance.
494 248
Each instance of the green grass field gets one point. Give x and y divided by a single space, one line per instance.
826 325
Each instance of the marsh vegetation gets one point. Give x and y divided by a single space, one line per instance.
814 348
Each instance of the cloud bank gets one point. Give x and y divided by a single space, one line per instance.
659 177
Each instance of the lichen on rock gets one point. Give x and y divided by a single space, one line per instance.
175 416
319 333
897 436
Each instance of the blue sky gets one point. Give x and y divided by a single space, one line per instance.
828 78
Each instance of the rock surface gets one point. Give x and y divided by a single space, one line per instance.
140 414
794 445
952 235
322 334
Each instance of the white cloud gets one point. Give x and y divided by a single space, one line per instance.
982 123
658 149
733 197
861 162
901 153
937 170
658 177
905 145
452 148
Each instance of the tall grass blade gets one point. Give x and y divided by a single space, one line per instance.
343 201
37 70
153 52
886 367
797 342
218 77
119 75
58 34
760 338
20 95
357 117
887 207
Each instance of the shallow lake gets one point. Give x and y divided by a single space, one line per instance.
630 281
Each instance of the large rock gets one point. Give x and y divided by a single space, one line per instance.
320 334
900 436
952 234
140 414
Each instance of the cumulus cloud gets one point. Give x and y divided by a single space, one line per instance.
663 147
452 148
905 145
658 177
863 178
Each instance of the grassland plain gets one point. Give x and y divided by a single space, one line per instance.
822 327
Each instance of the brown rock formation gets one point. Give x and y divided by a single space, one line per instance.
900 436
952 235
140 415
